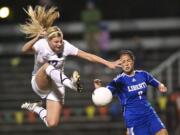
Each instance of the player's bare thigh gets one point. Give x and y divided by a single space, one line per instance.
55 108
42 80
162 132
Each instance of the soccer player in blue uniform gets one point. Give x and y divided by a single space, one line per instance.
131 87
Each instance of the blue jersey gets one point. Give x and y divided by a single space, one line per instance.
131 91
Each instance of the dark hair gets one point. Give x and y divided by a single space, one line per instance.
127 52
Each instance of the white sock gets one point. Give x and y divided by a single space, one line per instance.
68 83
42 113
59 78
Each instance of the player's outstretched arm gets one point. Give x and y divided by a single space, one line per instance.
95 58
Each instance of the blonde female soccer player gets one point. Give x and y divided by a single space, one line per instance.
50 50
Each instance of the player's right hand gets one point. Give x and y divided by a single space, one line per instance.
42 33
97 83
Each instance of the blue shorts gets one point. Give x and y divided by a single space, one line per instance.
147 125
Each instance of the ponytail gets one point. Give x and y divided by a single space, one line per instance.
39 19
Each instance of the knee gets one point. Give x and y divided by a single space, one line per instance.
52 123
162 132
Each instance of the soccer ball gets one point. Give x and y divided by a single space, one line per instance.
101 96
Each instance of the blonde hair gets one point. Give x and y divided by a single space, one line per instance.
40 19
54 31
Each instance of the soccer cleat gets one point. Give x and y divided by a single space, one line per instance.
76 81
30 106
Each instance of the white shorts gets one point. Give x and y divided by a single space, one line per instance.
52 94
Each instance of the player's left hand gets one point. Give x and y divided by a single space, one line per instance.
118 63
162 88
115 64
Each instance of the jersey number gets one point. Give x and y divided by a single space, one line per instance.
53 62
140 94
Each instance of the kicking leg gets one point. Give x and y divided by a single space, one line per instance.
47 73
59 78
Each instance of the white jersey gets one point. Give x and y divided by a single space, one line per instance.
43 53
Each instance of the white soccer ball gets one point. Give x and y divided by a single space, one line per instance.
101 96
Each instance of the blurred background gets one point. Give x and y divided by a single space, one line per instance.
151 29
